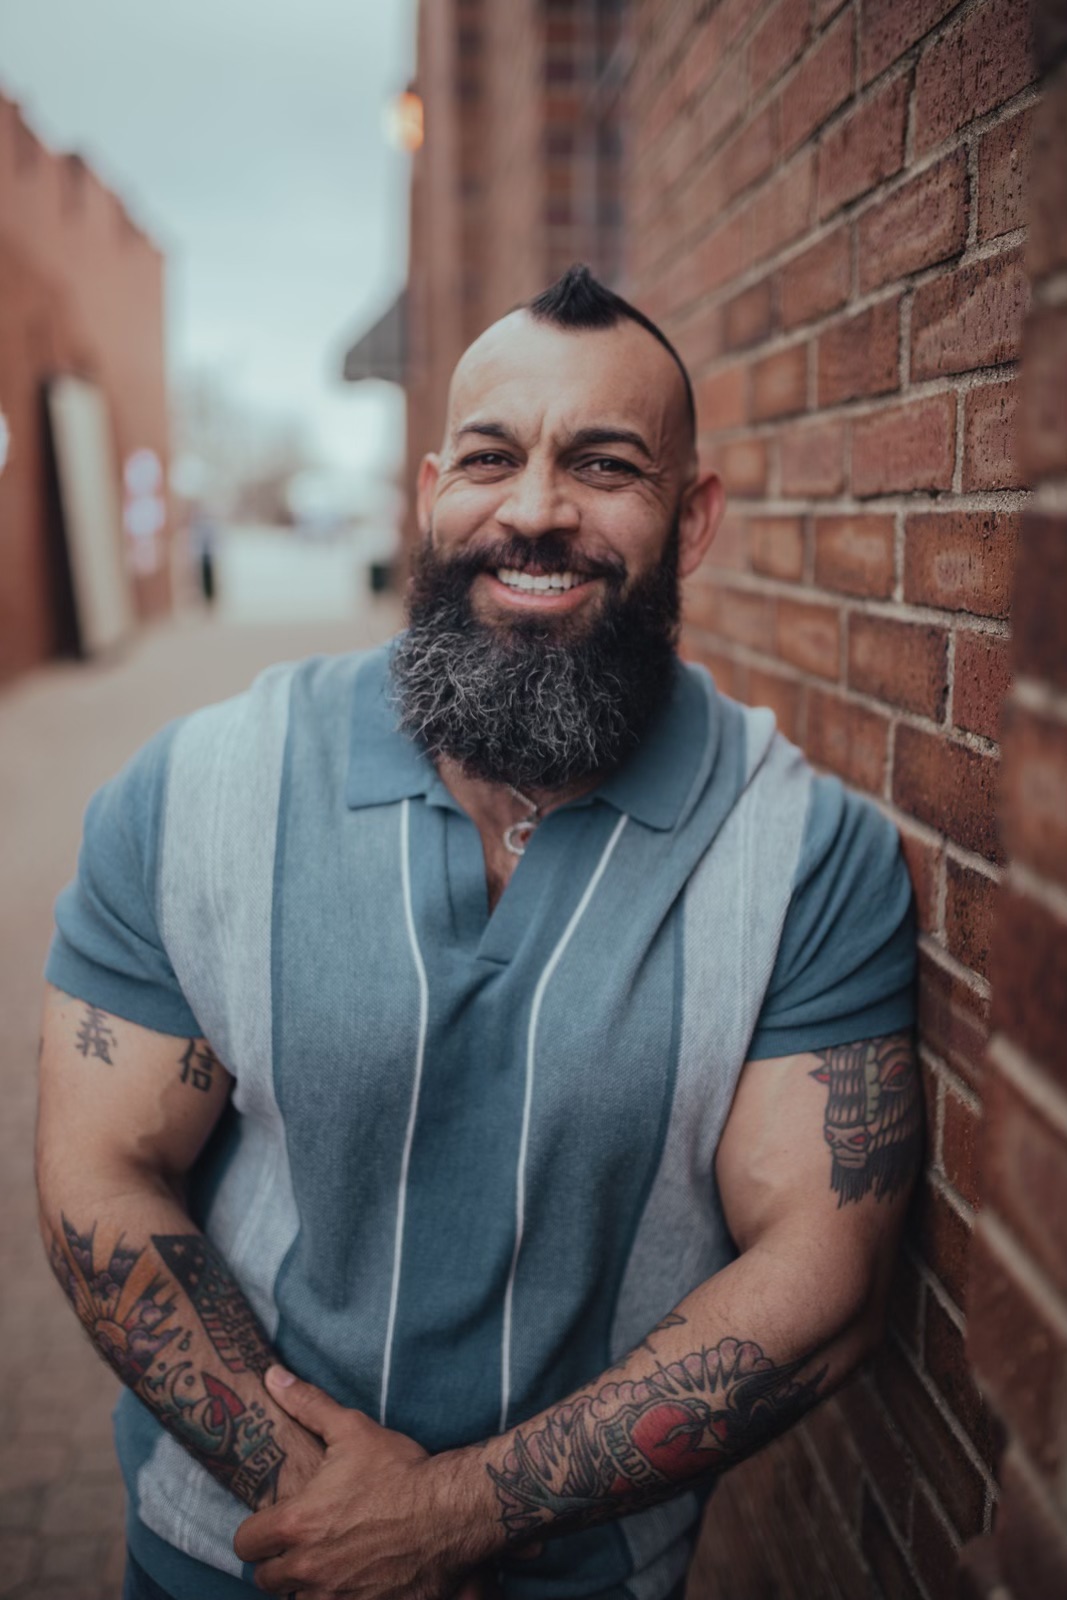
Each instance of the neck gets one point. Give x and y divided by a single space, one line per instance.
493 805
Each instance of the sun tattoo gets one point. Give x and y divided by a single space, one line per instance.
874 1119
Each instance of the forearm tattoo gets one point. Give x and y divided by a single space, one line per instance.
130 1311
874 1116
630 1445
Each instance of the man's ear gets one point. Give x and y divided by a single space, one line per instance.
425 492
703 504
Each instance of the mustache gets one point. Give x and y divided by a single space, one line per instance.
547 555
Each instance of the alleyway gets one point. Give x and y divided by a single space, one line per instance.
62 732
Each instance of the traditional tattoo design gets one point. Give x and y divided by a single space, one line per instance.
198 1064
95 1037
129 1310
874 1123
226 1315
634 1444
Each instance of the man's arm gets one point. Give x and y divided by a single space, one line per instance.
814 1170
124 1113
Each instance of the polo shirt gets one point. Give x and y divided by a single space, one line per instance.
469 1158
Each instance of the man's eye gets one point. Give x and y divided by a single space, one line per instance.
608 467
486 458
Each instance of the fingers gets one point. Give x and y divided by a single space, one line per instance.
307 1405
260 1536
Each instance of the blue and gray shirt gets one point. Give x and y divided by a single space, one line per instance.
469 1158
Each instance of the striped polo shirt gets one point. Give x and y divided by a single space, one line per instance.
469 1158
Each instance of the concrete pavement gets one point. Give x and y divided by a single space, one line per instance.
63 731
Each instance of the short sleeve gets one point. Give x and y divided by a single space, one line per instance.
107 948
845 968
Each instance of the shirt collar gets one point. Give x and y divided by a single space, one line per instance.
652 785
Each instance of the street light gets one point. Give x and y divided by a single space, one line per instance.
403 121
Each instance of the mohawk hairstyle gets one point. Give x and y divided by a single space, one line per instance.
580 301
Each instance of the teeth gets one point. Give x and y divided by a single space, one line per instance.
527 581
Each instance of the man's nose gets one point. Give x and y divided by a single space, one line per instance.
538 501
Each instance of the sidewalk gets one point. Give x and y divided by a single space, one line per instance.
63 731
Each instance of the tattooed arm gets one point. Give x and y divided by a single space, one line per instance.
124 1113
814 1169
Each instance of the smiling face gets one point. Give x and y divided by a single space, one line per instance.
567 462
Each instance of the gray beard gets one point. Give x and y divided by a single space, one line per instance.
533 704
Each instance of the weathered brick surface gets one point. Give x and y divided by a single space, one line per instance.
1003 167
1040 586
812 459
918 224
1030 958
855 554
970 903
971 68
865 147
980 681
990 443
776 546
780 384
809 636
1024 1161
816 281
890 27
971 318
961 561
849 739
819 85
949 786
859 355
1044 431
902 663
911 446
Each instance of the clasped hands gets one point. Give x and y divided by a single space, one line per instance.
374 1523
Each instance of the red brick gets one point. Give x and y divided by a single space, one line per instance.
819 85
859 355
781 211
750 154
742 616
884 1458
969 908
910 446
1035 791
884 1556
970 318
948 786
961 1135
1025 1174
945 1242
817 281
903 662
864 148
848 739
892 26
777 42
1047 244
906 1294
721 397
742 465
922 222
934 1548
1029 958
776 546
825 9
980 681
1003 168
782 694
1020 1353
855 554
840 1551
729 548
960 1486
749 316
809 636
990 454
1031 1538
970 69
1040 645
961 560
780 383
812 459
946 1361
1044 416
720 106
719 256
827 1430
953 1020
923 860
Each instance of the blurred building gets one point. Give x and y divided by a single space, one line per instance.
849 216
81 294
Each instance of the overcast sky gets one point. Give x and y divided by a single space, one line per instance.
246 136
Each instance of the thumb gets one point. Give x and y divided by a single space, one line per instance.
309 1406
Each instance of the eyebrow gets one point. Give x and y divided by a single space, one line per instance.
580 439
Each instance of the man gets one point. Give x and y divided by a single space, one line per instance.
525 1025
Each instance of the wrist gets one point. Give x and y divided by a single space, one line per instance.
465 1506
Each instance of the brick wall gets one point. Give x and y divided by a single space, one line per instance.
81 290
826 211
1018 1328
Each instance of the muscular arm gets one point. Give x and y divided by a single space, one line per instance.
124 1113
814 1170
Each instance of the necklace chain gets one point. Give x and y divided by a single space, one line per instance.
517 836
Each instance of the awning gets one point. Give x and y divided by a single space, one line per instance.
382 352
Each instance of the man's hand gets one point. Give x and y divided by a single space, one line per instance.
371 1524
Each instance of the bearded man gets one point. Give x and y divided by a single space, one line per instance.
478 1102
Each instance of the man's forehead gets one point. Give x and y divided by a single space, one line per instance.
521 371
